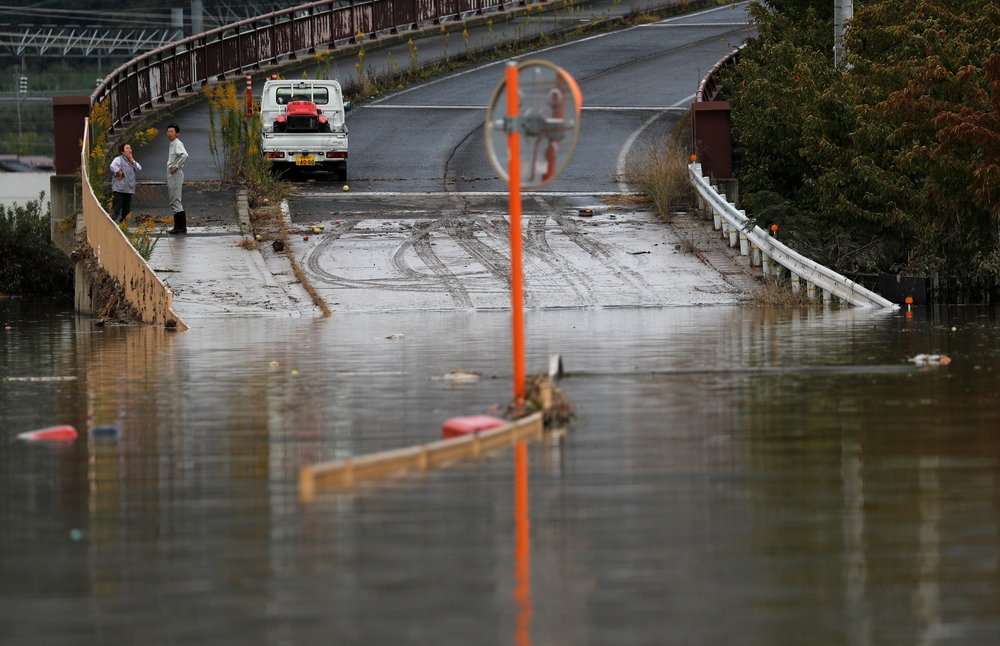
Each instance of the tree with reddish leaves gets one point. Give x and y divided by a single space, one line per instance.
890 163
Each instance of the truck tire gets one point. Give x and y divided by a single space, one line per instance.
342 174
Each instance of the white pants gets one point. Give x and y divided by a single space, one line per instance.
175 186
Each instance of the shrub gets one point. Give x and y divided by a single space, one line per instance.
236 145
29 263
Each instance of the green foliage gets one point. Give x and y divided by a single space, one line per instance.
29 263
236 145
141 236
889 164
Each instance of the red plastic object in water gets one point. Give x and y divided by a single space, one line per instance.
51 433
459 426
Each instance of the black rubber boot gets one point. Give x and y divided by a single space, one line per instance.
180 223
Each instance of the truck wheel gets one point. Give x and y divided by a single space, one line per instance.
342 175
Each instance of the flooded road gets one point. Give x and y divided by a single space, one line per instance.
735 476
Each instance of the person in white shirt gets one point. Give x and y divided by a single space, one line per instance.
123 169
176 156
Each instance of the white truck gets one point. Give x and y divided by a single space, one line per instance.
304 125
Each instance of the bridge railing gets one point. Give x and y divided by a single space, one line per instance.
143 288
770 254
185 65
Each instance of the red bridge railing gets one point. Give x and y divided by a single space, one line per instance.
712 83
187 64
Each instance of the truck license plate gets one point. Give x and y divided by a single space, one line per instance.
305 160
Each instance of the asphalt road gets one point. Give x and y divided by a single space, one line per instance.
425 225
425 222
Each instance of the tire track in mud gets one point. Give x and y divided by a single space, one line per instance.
534 271
421 243
604 254
412 281
537 244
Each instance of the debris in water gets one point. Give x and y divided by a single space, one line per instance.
53 433
586 213
931 360
274 364
278 245
460 377
396 337
459 426
42 379
105 431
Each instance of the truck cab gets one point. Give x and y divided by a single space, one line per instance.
304 125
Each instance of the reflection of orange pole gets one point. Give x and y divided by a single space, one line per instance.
516 289
522 546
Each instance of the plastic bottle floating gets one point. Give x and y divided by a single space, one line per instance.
931 360
52 434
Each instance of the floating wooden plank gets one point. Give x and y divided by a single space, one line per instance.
343 473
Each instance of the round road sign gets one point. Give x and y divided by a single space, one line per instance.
548 121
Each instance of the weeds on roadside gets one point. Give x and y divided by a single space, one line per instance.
776 293
141 236
660 170
236 145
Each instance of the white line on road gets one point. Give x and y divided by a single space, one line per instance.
595 108
536 52
623 155
698 24
461 194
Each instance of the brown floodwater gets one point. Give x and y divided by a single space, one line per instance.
734 476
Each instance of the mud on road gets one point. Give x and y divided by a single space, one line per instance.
395 251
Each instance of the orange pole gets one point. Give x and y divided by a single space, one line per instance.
516 286
522 546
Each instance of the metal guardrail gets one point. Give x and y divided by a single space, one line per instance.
181 66
143 288
770 254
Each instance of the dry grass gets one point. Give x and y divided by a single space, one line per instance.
643 18
771 293
247 243
632 199
660 171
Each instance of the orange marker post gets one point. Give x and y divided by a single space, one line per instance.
249 95
514 202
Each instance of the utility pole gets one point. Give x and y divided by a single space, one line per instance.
843 10
22 91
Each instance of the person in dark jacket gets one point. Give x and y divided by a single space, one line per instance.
123 169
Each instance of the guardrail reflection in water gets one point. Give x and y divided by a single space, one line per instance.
143 288
771 255
185 65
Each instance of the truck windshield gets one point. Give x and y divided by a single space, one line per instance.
318 95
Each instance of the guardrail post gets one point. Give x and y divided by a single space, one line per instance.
827 298
765 262
811 290
796 287
733 232
744 241
755 256
725 228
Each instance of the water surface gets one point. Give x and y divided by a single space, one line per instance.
734 476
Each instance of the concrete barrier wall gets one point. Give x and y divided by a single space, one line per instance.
143 288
